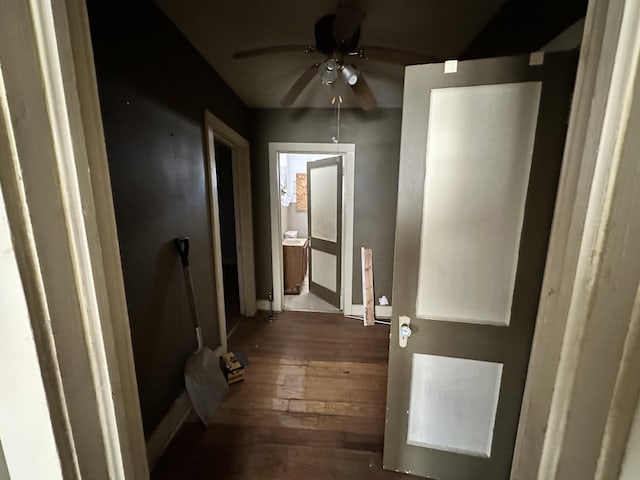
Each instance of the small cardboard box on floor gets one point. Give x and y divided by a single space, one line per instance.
232 369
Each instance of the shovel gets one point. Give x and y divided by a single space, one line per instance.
205 383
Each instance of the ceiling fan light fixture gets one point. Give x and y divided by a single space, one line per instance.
350 74
329 73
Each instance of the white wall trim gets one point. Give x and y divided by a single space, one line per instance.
178 413
24 408
580 396
58 198
631 462
264 305
602 300
161 437
118 330
382 311
217 130
585 125
348 151
620 422
216 239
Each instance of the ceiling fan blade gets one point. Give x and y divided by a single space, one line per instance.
256 52
347 22
297 88
364 94
394 55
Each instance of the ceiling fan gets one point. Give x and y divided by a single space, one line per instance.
337 36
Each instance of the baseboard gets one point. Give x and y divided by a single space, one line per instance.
167 428
382 311
264 305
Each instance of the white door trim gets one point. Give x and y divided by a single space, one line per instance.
585 125
58 199
51 60
348 151
580 394
217 130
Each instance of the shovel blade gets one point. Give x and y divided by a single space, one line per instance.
206 385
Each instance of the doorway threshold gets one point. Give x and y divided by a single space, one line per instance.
306 301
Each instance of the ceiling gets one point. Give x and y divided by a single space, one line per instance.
438 28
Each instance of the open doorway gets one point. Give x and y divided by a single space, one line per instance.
228 241
312 270
300 293
231 224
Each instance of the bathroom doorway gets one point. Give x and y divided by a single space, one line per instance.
301 293
312 226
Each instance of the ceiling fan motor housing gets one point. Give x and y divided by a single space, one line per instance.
327 43
337 36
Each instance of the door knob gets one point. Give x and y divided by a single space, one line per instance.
404 331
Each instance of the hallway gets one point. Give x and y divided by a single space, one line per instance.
312 406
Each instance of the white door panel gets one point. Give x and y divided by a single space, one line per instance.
324 221
453 404
477 173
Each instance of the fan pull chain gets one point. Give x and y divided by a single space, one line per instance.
337 101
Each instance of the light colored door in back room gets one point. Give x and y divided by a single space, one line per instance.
481 150
324 203
311 267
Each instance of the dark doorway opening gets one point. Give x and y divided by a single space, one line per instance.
224 175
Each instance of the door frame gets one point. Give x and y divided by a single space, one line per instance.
217 130
78 287
547 431
63 41
348 153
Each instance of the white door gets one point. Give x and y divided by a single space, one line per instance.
481 151
324 205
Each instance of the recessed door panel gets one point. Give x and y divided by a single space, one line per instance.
325 269
453 404
477 173
323 218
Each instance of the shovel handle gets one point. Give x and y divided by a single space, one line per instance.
182 247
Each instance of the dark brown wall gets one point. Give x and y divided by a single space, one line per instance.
154 88
377 138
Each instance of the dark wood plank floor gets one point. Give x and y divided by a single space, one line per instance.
312 406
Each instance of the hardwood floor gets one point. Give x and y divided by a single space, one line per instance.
311 407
